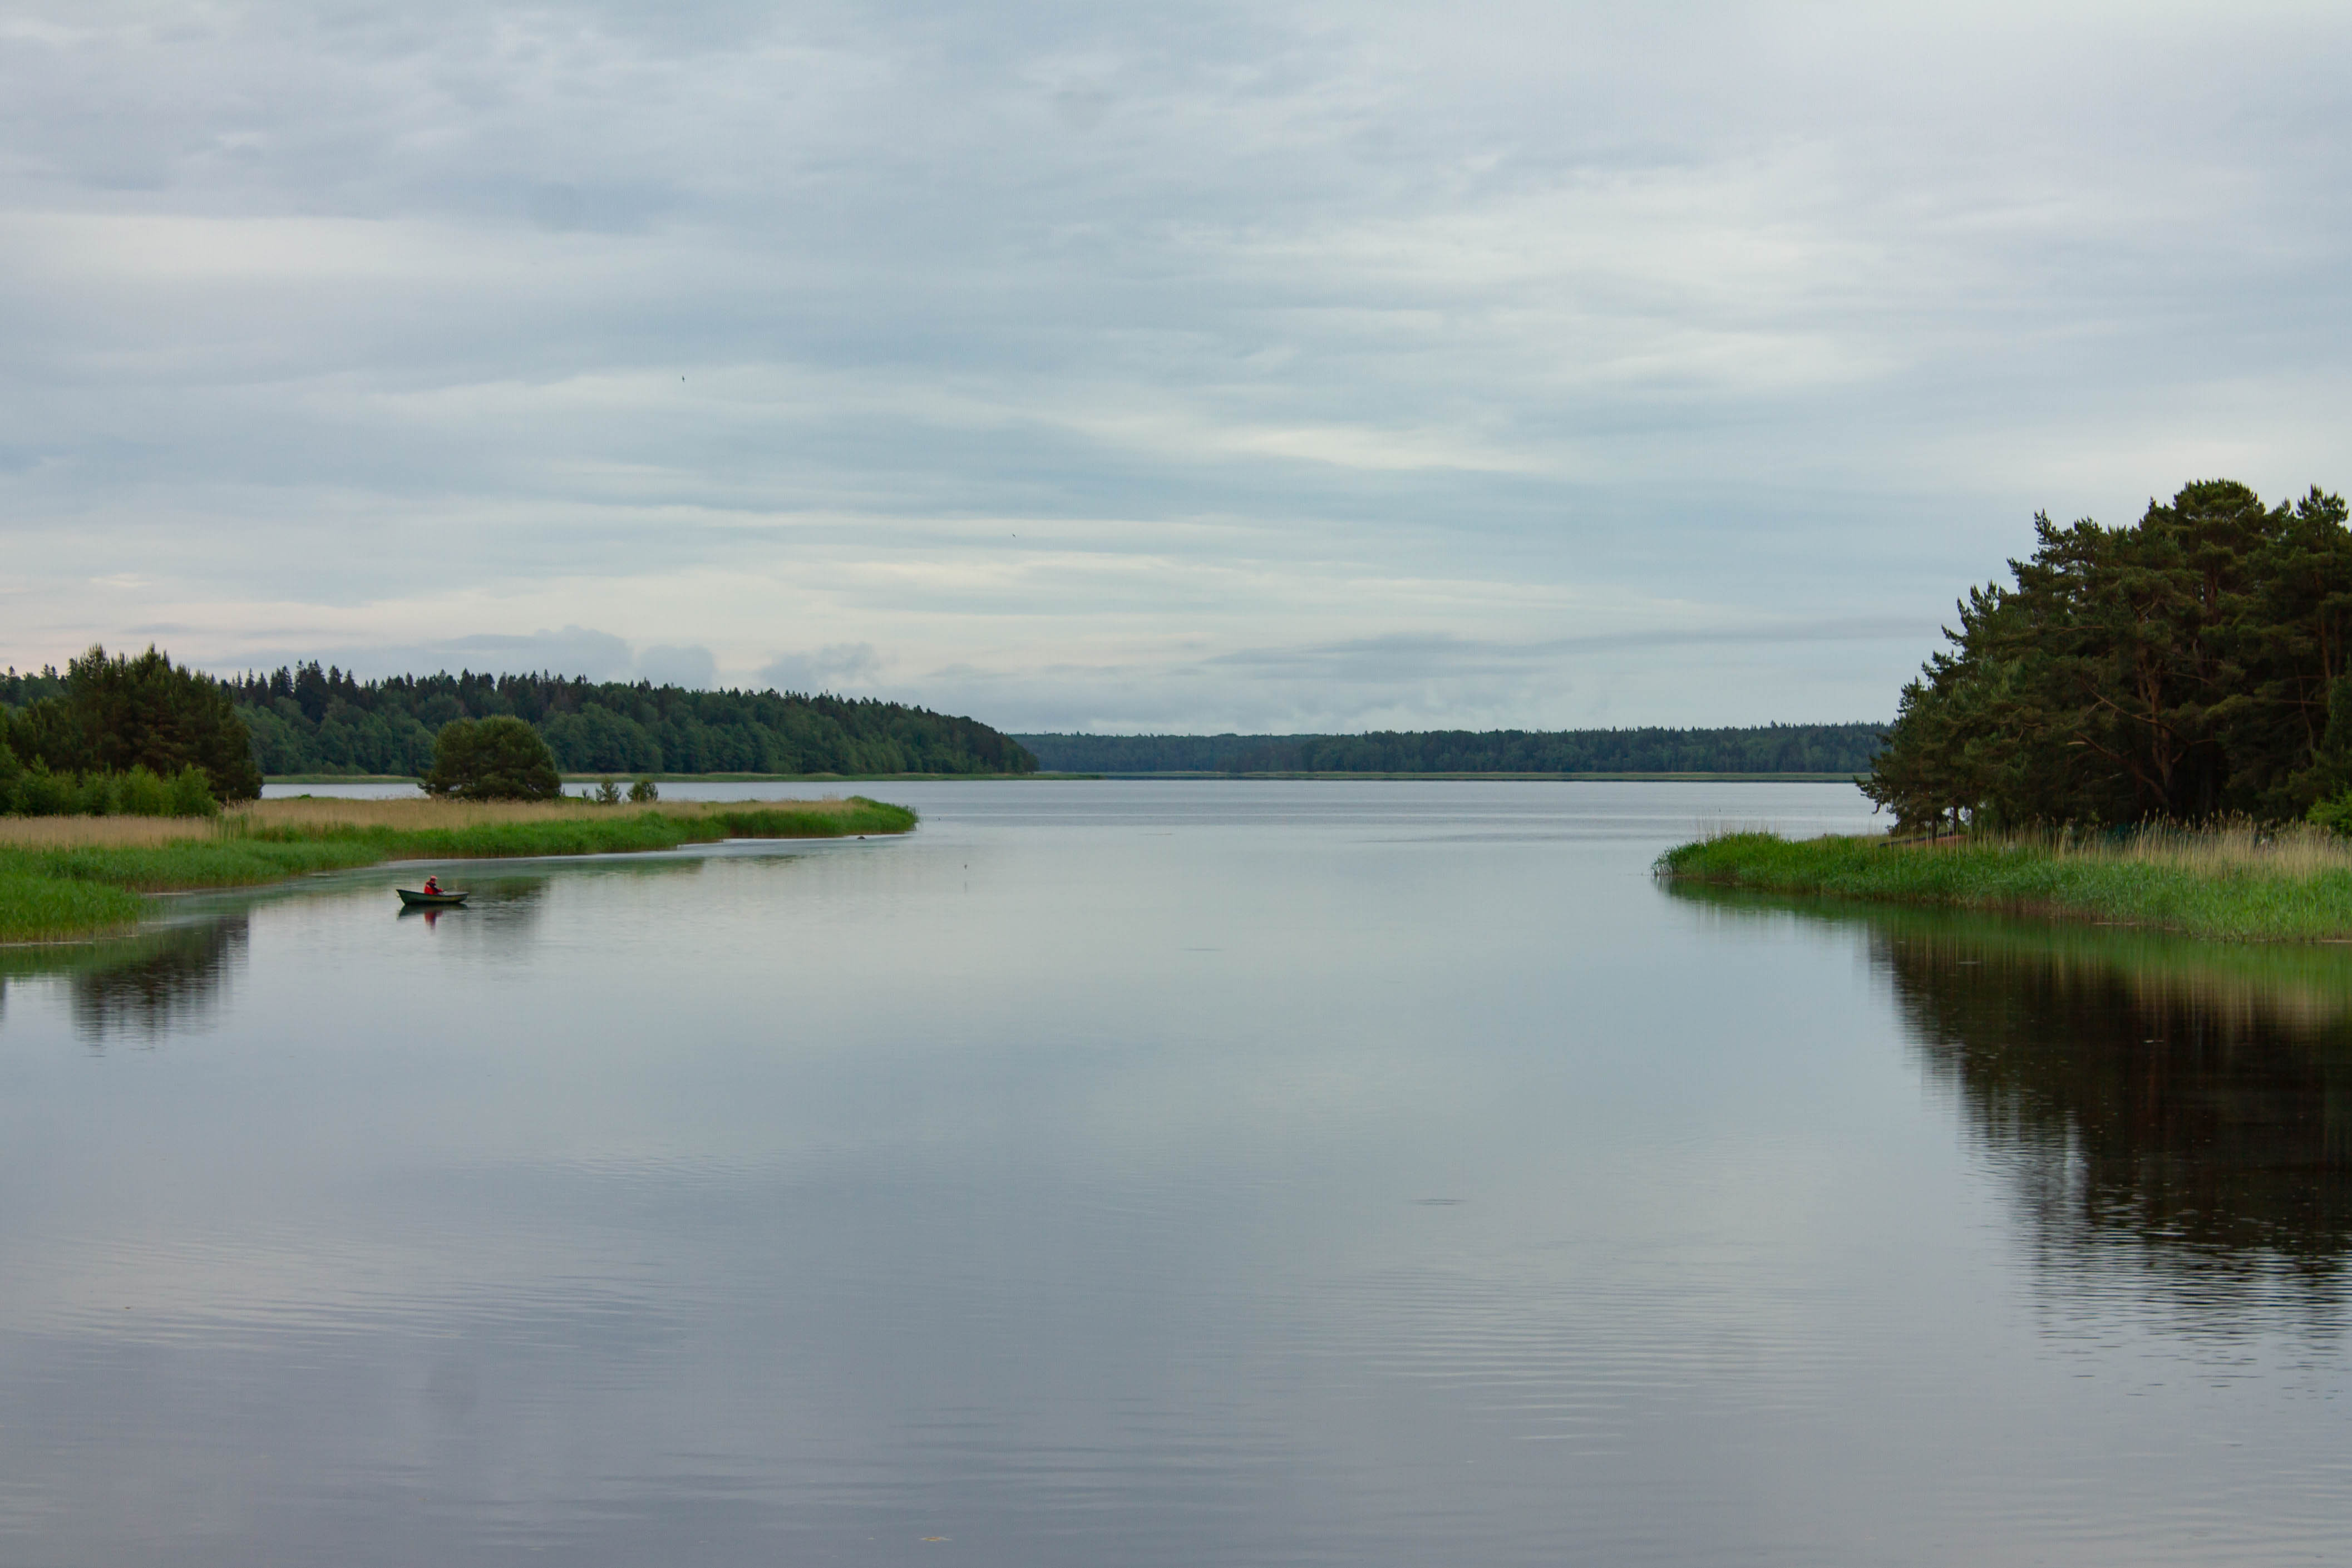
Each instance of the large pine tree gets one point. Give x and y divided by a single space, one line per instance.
118 713
2180 668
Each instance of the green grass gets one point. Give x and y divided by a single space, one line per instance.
37 908
55 894
2239 897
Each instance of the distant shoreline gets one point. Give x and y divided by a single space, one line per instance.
1052 777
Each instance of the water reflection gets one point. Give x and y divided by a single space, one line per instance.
162 981
2179 1108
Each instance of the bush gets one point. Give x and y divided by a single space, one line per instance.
607 792
644 791
2335 814
192 795
492 759
37 792
142 793
41 793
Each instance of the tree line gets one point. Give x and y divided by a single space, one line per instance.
307 719
135 735
2194 665
1762 749
99 713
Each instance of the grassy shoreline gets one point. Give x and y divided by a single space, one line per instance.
623 776
70 878
2233 885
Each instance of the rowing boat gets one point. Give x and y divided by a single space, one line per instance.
417 900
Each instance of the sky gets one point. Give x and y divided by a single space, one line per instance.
1271 366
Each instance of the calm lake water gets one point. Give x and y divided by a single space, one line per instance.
1171 1173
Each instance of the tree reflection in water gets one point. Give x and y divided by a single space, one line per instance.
161 983
2193 1111
2174 1115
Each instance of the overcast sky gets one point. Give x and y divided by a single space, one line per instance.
1264 366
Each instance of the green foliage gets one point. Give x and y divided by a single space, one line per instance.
192 796
306 719
37 908
608 792
1762 749
644 791
2247 903
108 716
492 759
40 793
2186 667
37 792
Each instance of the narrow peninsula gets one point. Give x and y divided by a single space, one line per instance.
65 879
2149 725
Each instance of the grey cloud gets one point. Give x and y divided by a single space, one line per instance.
572 651
960 324
833 668
691 667
1401 657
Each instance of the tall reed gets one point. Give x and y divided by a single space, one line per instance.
2236 880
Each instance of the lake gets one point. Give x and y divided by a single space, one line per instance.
1167 1172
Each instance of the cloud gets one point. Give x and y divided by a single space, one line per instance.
837 666
572 651
688 666
1111 363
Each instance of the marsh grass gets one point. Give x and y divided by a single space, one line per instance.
75 832
34 908
2236 881
267 818
269 841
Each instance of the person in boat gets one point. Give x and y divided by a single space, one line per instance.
433 886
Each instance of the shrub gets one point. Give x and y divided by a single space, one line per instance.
644 791
2335 814
607 792
191 793
142 793
40 793
96 795
492 759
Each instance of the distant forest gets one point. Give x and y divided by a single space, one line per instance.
305 719
1768 748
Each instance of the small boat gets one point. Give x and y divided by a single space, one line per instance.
413 899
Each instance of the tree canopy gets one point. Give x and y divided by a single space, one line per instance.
492 759
309 719
112 714
2189 665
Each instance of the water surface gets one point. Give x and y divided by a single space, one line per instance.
1164 1172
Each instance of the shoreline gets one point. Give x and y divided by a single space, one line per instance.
1047 777
2236 884
623 776
93 876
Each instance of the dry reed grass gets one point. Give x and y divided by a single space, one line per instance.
405 816
109 832
2298 850
420 815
